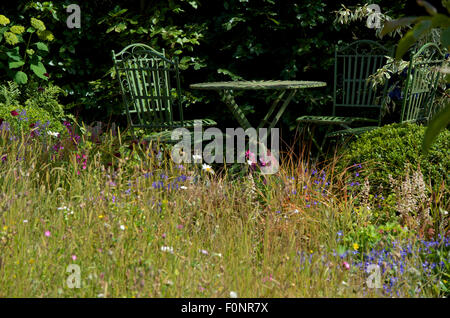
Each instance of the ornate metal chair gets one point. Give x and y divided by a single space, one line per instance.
150 85
421 84
355 101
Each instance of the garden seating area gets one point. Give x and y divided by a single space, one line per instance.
242 150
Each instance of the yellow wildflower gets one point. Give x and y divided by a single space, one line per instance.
30 51
37 24
4 20
11 38
355 246
45 35
101 216
17 29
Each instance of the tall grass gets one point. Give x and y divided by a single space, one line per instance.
145 227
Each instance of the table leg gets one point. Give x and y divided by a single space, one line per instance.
228 99
272 108
282 109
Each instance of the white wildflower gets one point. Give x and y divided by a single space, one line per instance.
197 158
233 294
167 249
207 168
52 133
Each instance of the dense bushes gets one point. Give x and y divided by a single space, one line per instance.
214 40
387 151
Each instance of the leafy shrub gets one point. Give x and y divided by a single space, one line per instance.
387 151
371 236
23 48
31 109
17 119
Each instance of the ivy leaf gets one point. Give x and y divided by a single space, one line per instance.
20 77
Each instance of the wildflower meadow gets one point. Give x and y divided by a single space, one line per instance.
93 203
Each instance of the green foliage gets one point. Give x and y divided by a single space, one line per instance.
46 98
439 122
26 120
280 41
387 151
22 50
424 25
33 106
373 236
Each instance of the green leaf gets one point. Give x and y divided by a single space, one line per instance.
20 77
430 9
120 27
440 21
42 46
233 76
392 25
38 68
446 4
15 64
412 36
439 122
194 4
13 54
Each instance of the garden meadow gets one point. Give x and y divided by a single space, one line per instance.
90 207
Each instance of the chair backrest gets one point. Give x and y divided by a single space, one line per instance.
150 85
421 83
354 63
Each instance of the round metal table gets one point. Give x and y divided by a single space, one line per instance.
226 89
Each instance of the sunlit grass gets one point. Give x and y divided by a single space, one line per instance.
204 235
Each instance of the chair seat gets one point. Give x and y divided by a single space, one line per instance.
332 120
165 136
190 123
352 131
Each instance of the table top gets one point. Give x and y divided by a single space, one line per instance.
257 85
